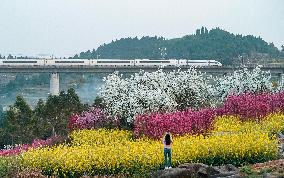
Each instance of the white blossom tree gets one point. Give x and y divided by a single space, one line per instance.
242 81
155 91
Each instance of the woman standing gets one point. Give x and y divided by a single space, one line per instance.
167 141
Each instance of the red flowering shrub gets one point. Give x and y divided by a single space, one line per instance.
178 123
252 106
35 144
247 106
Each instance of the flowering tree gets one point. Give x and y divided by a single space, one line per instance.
178 123
93 118
156 91
252 106
243 81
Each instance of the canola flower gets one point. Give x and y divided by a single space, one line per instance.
115 151
272 124
224 149
125 158
100 137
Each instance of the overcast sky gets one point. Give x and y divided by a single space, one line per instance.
66 27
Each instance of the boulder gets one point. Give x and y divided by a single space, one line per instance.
175 172
199 170
193 168
210 170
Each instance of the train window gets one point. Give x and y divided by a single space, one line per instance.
113 61
154 61
69 61
196 62
19 61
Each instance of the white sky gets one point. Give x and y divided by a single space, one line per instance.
66 27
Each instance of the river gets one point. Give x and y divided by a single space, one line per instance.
36 86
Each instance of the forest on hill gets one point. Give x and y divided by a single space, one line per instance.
216 43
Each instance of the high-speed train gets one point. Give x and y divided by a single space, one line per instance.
107 62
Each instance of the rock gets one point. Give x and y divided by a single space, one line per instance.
230 167
223 174
202 172
193 167
212 170
199 170
235 176
175 173
226 168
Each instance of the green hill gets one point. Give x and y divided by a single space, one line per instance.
215 44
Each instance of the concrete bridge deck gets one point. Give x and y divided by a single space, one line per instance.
274 69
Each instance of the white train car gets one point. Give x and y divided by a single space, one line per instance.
107 62
203 63
197 62
21 62
150 62
67 62
111 62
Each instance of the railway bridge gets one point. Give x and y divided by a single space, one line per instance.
54 71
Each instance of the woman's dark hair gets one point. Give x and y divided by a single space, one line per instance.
168 139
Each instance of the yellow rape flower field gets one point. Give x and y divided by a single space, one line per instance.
118 152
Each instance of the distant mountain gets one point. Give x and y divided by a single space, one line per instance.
215 44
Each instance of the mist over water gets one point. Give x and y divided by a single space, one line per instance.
89 88
36 86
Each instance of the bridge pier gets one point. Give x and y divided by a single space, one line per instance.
280 78
54 83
